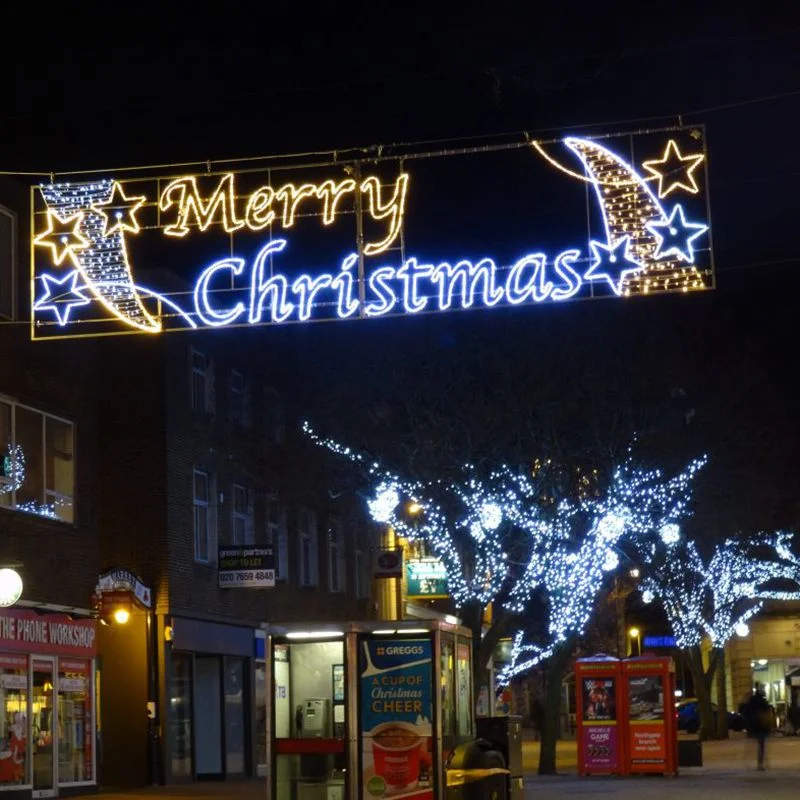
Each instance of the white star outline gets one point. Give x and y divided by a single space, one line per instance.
611 249
670 224
49 301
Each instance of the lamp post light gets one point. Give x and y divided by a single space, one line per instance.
10 587
635 634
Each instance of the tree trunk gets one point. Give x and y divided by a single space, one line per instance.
702 679
554 672
722 699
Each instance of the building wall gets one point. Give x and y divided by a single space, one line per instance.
232 453
60 560
774 636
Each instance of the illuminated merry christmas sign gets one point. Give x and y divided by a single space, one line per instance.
372 237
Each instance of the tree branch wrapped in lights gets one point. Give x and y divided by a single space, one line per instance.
715 598
505 540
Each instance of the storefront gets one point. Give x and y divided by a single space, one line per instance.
209 707
47 703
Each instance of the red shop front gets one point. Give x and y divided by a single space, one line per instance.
47 703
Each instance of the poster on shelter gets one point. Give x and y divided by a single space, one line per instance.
396 713
646 716
599 747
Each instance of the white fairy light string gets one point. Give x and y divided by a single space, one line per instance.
717 597
474 522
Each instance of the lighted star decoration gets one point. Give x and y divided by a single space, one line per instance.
675 236
63 237
119 212
674 171
612 263
61 295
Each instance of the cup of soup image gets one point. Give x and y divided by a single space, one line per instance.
396 754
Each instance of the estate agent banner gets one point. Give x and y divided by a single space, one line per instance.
396 713
243 566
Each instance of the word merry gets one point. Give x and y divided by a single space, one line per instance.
257 210
413 286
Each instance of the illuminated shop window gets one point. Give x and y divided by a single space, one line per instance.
75 749
37 462
13 720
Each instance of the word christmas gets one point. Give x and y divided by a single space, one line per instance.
649 239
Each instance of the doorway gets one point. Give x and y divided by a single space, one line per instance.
43 731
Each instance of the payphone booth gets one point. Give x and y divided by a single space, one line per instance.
600 716
365 710
651 726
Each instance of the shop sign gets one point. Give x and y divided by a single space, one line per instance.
243 566
276 242
50 634
388 563
119 579
396 714
599 718
659 641
426 578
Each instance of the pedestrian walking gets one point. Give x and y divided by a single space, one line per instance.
759 718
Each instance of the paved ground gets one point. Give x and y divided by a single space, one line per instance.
728 773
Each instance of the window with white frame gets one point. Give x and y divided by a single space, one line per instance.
203 517
202 382
37 462
238 405
335 555
308 548
8 262
243 531
274 418
360 574
277 538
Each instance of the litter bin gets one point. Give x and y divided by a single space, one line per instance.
505 733
475 770
690 753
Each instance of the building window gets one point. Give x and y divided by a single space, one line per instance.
307 529
8 263
335 555
243 532
239 397
278 539
202 516
37 462
360 576
202 383
274 417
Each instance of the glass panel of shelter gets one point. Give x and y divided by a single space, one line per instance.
309 719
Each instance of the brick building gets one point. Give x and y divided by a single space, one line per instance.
199 451
49 534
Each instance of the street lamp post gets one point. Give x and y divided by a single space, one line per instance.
634 634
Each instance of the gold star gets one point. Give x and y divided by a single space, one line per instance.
119 211
676 169
63 236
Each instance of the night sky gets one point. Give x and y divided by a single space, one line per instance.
98 86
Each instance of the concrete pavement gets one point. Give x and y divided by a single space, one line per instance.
728 773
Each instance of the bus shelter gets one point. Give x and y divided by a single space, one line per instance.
364 710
